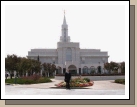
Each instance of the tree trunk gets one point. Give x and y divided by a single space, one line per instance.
6 76
10 75
32 72
21 74
48 74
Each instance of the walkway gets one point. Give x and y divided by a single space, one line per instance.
99 88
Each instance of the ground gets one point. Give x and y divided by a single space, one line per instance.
99 88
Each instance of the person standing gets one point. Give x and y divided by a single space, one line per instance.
67 79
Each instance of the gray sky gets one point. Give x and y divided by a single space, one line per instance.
39 26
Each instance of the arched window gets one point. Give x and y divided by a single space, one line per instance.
85 70
99 69
92 70
68 54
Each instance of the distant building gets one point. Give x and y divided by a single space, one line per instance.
68 55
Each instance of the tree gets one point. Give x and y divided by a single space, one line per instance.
45 68
18 65
53 68
122 66
11 64
114 66
35 66
107 66
49 68
38 58
23 66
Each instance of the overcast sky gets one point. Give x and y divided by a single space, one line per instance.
39 26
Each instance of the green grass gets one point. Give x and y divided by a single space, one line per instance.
120 81
27 81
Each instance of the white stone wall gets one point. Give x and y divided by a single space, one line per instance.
73 54
78 57
89 60
44 52
63 55
67 44
59 50
89 50
46 59
59 55
93 53
92 64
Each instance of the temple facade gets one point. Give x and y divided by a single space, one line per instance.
69 55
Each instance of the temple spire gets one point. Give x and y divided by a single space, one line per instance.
64 21
64 31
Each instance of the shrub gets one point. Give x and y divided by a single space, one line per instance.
121 81
43 80
29 80
87 79
9 80
32 77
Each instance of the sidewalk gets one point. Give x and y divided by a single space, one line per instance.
98 85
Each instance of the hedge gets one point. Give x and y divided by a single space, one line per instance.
28 80
121 81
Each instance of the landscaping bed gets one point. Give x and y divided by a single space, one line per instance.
120 81
28 80
77 82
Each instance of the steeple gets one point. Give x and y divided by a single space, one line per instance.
64 21
64 37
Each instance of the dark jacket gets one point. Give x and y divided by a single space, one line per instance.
67 77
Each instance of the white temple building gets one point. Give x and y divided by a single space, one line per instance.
68 55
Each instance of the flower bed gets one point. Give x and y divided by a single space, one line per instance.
77 82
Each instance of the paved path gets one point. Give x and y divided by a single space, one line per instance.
99 88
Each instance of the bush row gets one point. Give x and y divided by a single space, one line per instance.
28 80
121 81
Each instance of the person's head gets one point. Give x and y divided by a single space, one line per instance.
68 70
